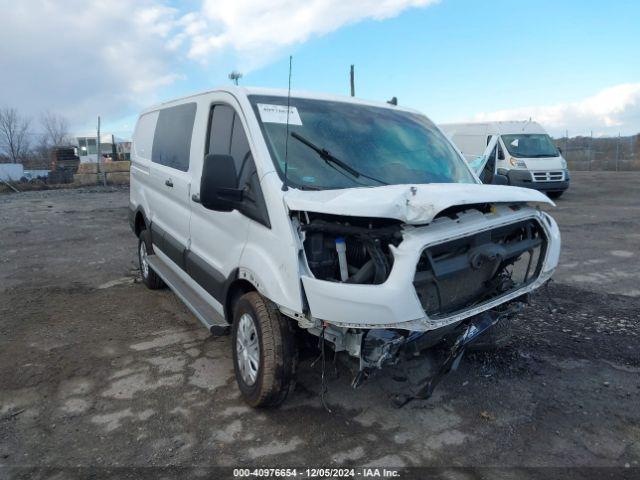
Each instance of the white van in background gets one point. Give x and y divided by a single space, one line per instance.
525 154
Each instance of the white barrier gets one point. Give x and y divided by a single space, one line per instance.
11 172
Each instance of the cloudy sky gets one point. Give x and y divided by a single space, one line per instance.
572 65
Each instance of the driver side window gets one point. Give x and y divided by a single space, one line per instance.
227 137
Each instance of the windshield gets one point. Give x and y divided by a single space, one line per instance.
335 145
530 145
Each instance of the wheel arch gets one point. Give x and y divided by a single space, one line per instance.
138 220
236 289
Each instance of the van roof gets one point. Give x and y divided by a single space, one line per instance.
238 91
497 127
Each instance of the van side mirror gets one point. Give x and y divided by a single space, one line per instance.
500 179
219 183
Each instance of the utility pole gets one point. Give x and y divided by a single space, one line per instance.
99 156
98 151
352 81
566 142
591 150
617 150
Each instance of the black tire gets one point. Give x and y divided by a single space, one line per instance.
149 277
278 354
554 194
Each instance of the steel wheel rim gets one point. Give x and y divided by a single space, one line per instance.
247 349
144 264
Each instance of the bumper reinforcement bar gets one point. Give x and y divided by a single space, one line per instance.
470 331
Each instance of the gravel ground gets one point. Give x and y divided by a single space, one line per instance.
97 371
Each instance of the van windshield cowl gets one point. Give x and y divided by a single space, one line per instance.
383 145
530 145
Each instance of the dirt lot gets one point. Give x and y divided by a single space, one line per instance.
96 370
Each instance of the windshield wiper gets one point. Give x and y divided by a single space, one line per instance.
328 157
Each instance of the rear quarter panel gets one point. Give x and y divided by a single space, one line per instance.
142 142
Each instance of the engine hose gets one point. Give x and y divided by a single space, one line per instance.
363 274
379 260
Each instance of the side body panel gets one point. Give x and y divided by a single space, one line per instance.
271 255
139 185
170 173
219 246
217 238
170 210
471 139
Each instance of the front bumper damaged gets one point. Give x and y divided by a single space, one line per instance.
386 347
395 303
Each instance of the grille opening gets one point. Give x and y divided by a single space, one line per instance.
466 272
548 176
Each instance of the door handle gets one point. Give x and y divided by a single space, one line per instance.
168 183
196 198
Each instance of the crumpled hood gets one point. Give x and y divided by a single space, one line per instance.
411 204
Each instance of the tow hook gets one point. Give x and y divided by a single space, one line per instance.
471 330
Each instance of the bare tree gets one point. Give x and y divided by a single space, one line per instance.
14 134
39 153
56 129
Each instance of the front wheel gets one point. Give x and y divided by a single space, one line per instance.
264 351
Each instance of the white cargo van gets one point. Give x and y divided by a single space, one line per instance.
357 222
524 153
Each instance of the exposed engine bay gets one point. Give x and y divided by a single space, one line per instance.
449 276
462 284
350 250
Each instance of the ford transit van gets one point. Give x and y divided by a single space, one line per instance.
273 216
524 153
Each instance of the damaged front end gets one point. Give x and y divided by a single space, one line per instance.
353 251
381 348
379 273
468 271
383 290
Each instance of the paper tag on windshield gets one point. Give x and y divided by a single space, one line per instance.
278 114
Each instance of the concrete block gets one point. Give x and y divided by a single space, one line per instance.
115 166
85 179
85 168
107 167
118 178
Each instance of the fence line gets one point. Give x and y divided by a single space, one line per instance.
601 153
